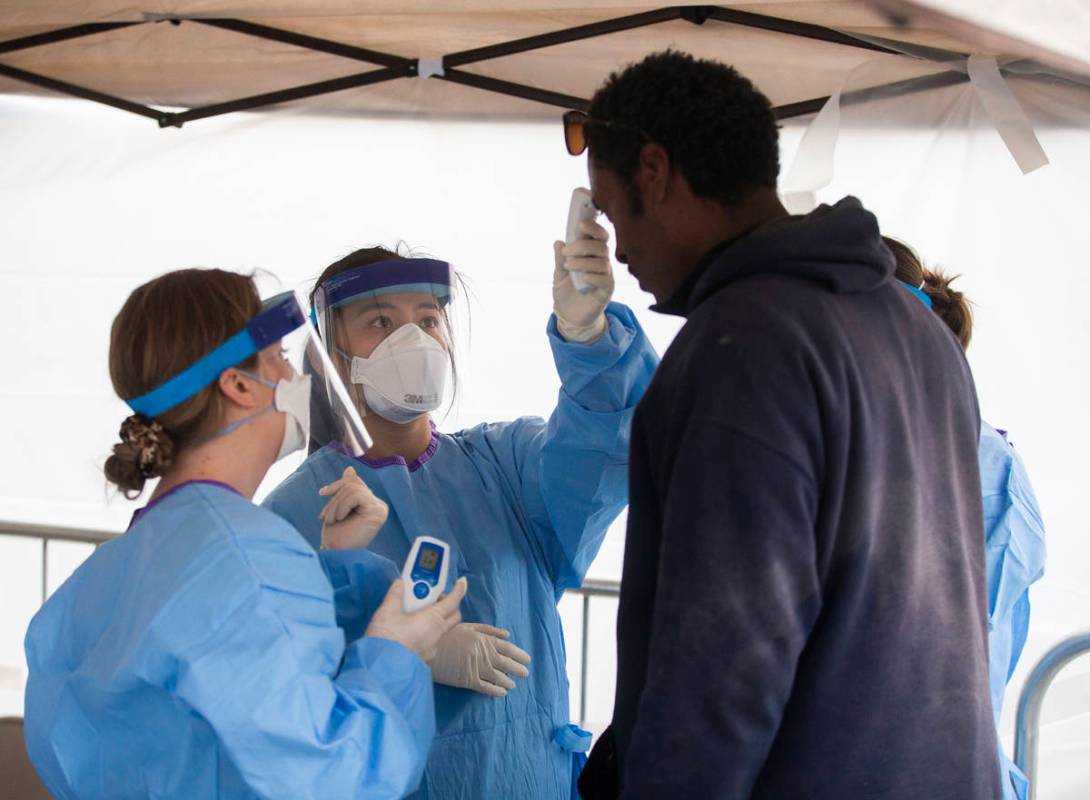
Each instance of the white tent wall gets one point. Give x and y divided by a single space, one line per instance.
940 178
94 202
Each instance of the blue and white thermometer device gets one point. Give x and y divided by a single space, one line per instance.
425 573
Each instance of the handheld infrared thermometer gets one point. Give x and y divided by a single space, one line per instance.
581 208
425 573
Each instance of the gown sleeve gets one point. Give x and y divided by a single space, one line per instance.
360 581
297 712
570 473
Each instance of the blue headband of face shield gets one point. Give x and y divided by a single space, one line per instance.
280 316
920 293
424 275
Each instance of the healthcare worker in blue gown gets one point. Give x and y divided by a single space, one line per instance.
525 504
203 653
1014 535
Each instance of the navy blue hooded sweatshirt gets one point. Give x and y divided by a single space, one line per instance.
803 609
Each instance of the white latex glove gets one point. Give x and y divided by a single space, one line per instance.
421 630
581 317
353 516
475 656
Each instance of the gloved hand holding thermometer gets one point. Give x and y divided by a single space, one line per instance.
583 277
419 631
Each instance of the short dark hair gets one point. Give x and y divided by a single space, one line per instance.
715 125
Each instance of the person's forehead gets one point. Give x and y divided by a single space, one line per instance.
603 182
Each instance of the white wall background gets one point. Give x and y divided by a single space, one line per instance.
93 201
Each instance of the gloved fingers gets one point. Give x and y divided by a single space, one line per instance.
584 248
393 595
348 476
559 273
359 499
447 605
490 689
514 652
488 630
599 280
509 666
344 503
589 227
588 266
330 510
333 509
499 679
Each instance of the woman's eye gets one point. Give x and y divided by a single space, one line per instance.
381 322
429 323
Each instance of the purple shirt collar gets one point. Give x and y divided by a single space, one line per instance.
140 512
390 461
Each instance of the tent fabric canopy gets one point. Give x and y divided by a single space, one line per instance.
176 62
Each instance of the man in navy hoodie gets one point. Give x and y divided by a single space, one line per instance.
803 609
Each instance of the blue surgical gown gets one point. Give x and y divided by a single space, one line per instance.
1014 541
198 655
525 506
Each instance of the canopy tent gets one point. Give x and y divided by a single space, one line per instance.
181 61
96 201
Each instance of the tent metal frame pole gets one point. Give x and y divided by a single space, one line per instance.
510 89
882 91
62 35
564 36
311 43
803 30
395 66
82 92
178 119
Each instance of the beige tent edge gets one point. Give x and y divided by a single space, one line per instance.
498 60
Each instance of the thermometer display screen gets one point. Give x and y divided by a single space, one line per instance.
428 559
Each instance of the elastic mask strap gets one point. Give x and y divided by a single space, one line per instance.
258 378
238 423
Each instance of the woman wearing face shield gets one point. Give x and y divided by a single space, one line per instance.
524 504
203 653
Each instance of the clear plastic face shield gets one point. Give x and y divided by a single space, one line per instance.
305 384
387 329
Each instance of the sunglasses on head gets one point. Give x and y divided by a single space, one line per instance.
575 130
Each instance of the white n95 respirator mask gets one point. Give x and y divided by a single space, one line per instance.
293 398
405 376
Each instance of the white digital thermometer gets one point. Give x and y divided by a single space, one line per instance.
425 573
581 208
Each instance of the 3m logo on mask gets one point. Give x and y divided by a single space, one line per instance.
422 399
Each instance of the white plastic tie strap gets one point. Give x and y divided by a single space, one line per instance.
427 67
1006 114
812 168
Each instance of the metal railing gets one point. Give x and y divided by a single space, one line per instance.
1028 722
1027 725
589 589
48 533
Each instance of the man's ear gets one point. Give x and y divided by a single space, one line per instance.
237 389
653 172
